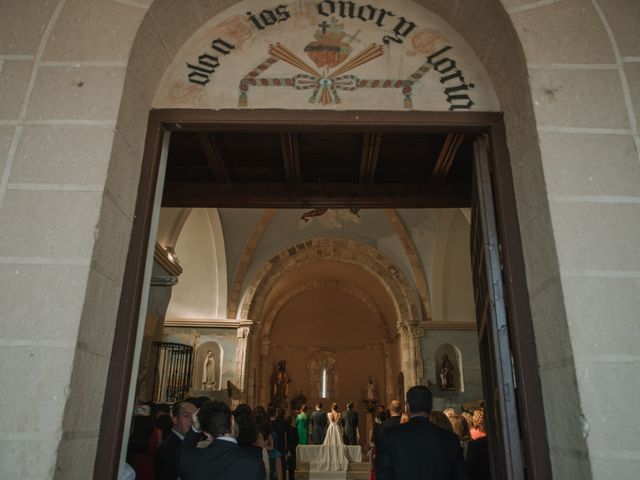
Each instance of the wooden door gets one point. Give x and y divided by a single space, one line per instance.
501 414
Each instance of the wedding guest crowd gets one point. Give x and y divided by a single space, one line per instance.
426 443
200 439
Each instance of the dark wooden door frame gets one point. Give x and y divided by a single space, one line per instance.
532 424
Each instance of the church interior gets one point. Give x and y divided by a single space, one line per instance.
359 303
328 302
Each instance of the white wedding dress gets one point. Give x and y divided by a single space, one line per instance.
332 456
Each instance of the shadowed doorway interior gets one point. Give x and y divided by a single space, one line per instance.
280 160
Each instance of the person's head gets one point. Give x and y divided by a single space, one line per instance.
141 432
334 407
468 417
478 420
439 419
260 410
242 409
201 400
319 406
183 416
215 418
350 406
419 400
271 411
162 409
394 408
303 408
460 427
164 423
280 413
404 417
265 428
449 412
247 429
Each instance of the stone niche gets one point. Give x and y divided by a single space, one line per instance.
448 353
200 358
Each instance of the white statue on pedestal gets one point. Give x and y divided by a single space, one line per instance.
208 372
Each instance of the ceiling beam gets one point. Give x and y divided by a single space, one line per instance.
291 157
332 195
215 156
445 158
369 158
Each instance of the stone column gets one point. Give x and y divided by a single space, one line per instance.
405 354
242 335
263 373
252 365
416 334
388 371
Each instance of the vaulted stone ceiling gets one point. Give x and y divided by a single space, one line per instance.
417 242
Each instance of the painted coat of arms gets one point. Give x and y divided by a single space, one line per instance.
331 53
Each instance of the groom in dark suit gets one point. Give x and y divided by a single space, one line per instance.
419 449
219 457
350 419
318 422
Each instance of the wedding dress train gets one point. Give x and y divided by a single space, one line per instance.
332 457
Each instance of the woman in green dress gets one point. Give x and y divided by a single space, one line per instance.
302 423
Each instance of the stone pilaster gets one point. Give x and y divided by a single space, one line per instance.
242 334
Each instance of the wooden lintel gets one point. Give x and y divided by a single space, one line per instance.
270 195
215 157
369 157
445 158
290 157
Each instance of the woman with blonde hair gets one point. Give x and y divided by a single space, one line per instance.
461 428
478 429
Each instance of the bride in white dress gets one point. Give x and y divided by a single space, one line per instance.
332 456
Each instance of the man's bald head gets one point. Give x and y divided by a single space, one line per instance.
394 408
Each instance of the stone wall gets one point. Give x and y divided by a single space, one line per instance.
70 158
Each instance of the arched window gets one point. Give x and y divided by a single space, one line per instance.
323 372
325 385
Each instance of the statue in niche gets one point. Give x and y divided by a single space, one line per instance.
208 372
280 381
446 374
370 395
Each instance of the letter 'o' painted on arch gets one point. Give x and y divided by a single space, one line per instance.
327 54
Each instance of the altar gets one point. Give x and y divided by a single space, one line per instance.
310 453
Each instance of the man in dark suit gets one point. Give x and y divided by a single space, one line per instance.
167 459
292 442
394 419
219 457
280 439
350 419
419 449
318 422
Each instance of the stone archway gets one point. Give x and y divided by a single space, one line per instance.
147 63
265 341
405 301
